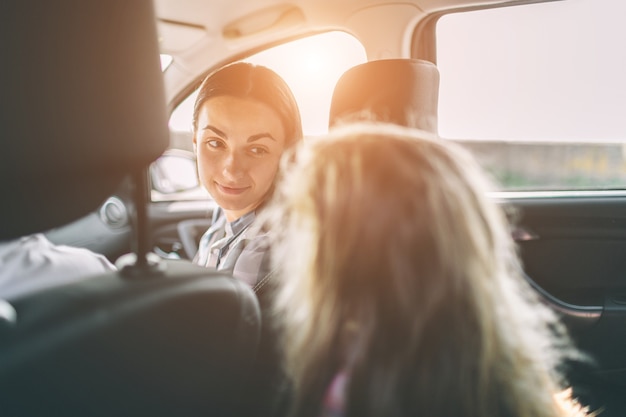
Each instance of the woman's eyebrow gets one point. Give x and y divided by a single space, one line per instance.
215 130
260 136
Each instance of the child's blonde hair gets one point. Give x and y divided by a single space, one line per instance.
396 267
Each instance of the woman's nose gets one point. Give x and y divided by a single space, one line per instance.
233 166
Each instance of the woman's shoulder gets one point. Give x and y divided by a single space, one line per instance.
253 259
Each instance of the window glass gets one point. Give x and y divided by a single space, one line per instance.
311 67
166 61
538 92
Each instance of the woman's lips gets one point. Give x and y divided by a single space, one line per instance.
231 190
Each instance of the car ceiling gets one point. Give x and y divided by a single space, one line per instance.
202 34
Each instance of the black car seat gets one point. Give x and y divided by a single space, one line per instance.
400 91
82 108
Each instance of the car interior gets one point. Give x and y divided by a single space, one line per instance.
87 131
157 337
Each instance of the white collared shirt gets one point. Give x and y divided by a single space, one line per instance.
236 247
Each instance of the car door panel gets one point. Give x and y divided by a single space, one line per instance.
573 249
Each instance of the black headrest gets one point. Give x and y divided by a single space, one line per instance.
401 91
81 105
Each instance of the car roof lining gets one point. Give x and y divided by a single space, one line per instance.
201 35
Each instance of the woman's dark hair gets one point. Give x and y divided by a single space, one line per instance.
245 80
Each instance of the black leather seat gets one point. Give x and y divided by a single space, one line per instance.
82 108
400 91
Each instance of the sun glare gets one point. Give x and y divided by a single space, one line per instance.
311 66
313 63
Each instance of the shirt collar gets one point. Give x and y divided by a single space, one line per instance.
236 226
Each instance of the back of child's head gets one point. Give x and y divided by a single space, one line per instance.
396 267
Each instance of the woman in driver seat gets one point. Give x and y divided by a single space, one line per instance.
244 118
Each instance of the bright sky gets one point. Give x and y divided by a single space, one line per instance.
542 71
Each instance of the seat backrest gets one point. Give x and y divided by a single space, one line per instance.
81 108
182 343
401 91
82 105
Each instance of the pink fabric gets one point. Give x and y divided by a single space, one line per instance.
335 397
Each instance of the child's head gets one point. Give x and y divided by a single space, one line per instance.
397 266
388 220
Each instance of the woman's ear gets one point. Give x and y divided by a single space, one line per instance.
195 144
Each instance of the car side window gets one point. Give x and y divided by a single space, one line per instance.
538 92
311 67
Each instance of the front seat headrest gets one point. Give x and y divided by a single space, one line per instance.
400 91
82 105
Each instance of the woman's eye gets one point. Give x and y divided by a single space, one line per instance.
215 143
258 150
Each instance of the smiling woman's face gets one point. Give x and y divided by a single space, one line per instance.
238 144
